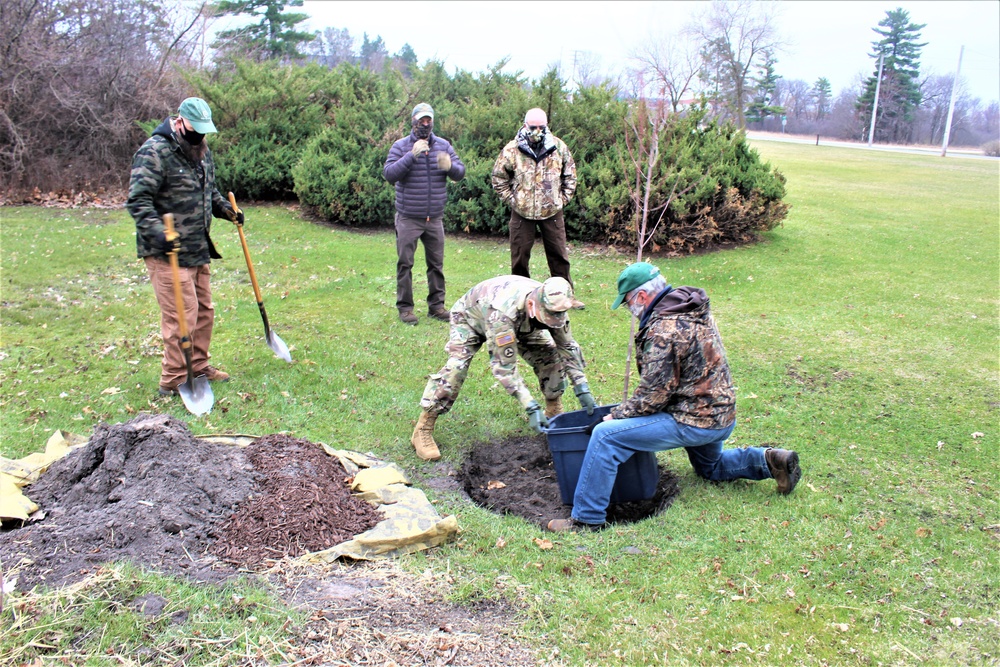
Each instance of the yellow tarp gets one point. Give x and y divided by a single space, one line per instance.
411 522
19 473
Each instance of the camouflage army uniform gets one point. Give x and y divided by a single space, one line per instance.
165 179
682 363
493 312
536 183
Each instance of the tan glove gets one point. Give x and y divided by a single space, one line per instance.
420 147
444 161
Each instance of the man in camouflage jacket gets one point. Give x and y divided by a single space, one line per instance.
685 398
173 172
512 315
536 177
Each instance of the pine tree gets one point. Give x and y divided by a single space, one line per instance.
822 92
899 92
273 38
761 106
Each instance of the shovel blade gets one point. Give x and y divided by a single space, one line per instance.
197 395
278 347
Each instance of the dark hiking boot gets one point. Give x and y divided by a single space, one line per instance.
440 314
407 317
784 466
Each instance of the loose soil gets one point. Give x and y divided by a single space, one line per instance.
516 476
148 491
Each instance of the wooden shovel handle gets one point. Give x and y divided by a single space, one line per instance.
171 235
246 252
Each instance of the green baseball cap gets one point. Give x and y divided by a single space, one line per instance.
633 276
195 111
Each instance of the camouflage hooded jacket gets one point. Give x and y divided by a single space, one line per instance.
495 311
535 186
682 363
165 180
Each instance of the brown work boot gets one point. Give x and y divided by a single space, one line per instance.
784 466
423 437
553 407
440 314
213 374
571 525
407 317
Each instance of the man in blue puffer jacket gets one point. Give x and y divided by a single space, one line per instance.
419 165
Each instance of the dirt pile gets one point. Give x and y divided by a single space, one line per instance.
516 476
150 492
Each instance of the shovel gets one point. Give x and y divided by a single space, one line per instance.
195 392
273 340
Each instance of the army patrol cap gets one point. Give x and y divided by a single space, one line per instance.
195 111
634 275
555 297
422 110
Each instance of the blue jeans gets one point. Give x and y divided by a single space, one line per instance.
615 440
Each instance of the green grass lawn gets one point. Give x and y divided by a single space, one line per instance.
863 333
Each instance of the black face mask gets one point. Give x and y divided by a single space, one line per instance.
422 131
192 137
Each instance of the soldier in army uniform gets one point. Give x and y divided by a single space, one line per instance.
173 172
536 177
685 398
512 315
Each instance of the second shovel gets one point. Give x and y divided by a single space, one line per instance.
273 340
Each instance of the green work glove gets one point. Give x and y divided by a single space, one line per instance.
444 161
420 147
536 417
582 392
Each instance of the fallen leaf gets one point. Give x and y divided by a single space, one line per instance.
285 394
923 532
940 444
843 627
879 524
977 434
111 391
790 593
501 543
543 544
495 484
957 622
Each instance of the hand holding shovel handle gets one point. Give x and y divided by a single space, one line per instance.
273 341
195 392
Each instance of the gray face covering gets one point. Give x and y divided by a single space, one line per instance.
422 131
636 308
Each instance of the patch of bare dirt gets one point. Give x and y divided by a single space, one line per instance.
516 476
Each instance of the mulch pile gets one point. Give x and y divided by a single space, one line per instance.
516 476
148 491
303 505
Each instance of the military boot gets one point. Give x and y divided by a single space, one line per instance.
553 407
423 437
784 467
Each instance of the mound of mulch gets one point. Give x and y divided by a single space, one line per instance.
148 491
303 505
516 476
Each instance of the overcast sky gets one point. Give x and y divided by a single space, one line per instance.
830 39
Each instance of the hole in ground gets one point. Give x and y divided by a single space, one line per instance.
516 476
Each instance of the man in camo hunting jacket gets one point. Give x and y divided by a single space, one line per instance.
173 172
536 177
685 398
512 315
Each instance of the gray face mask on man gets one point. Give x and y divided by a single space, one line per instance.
635 308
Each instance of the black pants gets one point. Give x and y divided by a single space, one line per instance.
522 238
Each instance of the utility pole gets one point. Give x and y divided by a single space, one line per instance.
951 105
878 84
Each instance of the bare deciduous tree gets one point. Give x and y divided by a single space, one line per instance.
735 36
670 64
74 78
